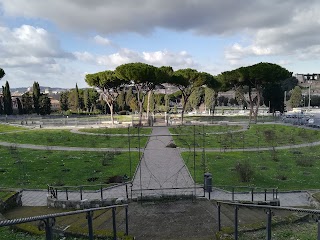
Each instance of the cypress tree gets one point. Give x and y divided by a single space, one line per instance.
36 96
77 99
20 110
7 100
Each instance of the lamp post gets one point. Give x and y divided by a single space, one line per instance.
309 104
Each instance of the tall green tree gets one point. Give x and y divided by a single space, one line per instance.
36 96
121 100
1 105
143 76
19 104
187 80
7 100
110 86
64 101
77 99
27 103
87 101
296 97
211 96
44 104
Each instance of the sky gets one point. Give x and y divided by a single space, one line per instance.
57 42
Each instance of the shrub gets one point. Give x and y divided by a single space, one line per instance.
245 171
305 162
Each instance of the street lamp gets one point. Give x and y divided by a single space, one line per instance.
310 82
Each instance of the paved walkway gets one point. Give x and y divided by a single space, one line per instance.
160 168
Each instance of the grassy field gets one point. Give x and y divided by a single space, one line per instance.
36 168
301 231
4 195
67 139
264 135
8 128
117 130
292 169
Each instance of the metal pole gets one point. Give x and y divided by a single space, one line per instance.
265 195
251 194
318 228
269 214
219 217
127 221
232 194
101 192
114 223
127 195
140 164
130 164
194 158
236 222
49 223
80 193
203 150
67 196
90 228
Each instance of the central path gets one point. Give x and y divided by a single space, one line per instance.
162 167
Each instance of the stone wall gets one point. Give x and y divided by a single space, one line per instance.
82 204
11 202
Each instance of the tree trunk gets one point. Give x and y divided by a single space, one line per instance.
214 103
251 104
110 105
258 103
148 105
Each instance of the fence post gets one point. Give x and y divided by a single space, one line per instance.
233 194
236 222
219 216
49 223
265 195
90 228
80 192
269 215
67 196
101 192
251 194
127 221
127 195
56 193
318 228
114 223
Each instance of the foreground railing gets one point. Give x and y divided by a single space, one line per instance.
269 210
47 222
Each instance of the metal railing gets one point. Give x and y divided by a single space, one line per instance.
48 221
56 191
265 194
269 211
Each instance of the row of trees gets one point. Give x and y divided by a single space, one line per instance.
34 102
256 80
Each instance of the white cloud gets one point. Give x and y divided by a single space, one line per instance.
297 38
157 58
28 46
101 40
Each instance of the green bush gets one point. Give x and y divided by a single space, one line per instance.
245 171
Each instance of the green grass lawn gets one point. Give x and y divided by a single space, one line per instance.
67 139
117 130
302 231
294 169
266 135
25 168
8 128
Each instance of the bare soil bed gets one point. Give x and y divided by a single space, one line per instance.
182 219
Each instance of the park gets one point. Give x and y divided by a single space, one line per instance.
151 167
87 158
